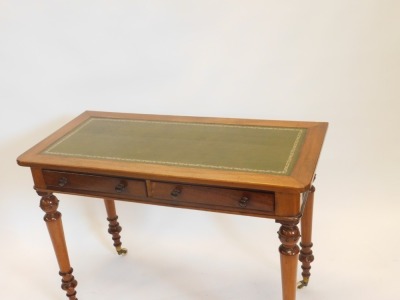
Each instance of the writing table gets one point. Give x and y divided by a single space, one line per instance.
248 167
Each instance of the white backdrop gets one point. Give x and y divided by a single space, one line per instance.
335 61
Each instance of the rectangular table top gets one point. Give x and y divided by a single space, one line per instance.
273 154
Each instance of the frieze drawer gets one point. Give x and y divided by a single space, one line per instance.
234 199
96 184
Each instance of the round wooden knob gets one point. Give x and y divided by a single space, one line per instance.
120 187
62 181
176 192
243 201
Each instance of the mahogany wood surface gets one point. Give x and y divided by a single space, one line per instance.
252 193
299 181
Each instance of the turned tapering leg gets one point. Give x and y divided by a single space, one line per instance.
289 251
306 255
49 204
113 228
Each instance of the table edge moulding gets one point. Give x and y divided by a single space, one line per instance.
248 167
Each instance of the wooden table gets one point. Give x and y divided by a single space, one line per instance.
248 167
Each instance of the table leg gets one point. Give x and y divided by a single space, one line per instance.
289 251
306 255
49 204
113 228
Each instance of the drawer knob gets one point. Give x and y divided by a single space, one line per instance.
120 187
176 192
243 201
62 181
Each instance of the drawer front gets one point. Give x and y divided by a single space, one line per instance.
94 184
231 199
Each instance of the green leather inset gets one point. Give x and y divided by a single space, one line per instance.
271 150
